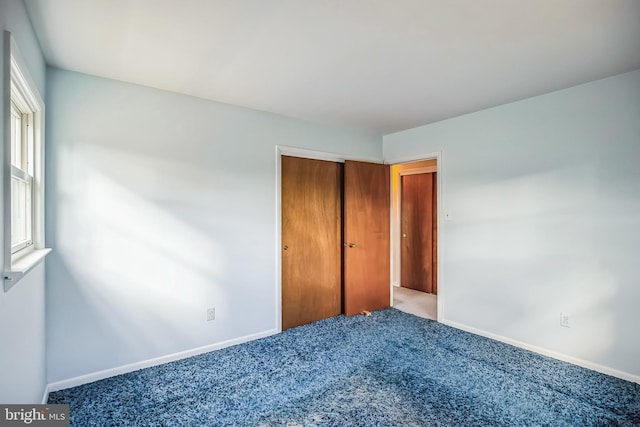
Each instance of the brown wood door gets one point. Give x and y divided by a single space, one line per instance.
311 240
418 232
366 236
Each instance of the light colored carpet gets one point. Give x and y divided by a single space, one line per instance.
415 302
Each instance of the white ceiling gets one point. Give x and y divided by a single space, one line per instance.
383 65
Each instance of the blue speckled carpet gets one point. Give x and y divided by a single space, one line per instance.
390 369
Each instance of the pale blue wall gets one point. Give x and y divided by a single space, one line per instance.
544 196
22 309
160 205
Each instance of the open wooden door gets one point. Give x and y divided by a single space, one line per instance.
311 240
366 237
418 256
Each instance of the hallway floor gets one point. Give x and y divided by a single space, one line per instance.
415 302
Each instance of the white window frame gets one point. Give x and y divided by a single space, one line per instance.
23 172
21 95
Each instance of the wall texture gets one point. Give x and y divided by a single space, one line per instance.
22 309
544 196
159 206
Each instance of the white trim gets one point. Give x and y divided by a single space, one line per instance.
321 155
395 234
20 267
45 395
308 154
412 158
543 351
440 239
15 70
391 233
6 146
278 313
107 373
38 234
22 175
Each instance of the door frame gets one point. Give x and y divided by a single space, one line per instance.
440 211
282 150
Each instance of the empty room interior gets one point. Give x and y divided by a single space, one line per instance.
321 213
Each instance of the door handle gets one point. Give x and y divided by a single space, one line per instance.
286 248
404 235
351 245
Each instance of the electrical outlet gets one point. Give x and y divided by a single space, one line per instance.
211 314
565 320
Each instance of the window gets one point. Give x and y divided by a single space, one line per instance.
21 173
23 170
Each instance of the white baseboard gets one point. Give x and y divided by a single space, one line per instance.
45 396
100 375
96 376
573 360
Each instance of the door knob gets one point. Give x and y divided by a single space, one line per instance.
286 248
404 235
352 245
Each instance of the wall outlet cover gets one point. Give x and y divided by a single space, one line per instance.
565 320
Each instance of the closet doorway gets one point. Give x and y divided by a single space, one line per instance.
335 238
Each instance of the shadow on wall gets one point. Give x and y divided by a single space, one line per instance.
136 268
541 244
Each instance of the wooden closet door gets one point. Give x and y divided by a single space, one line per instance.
311 240
366 236
418 232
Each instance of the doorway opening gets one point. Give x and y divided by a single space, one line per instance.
414 240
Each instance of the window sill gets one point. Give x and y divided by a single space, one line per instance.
20 267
